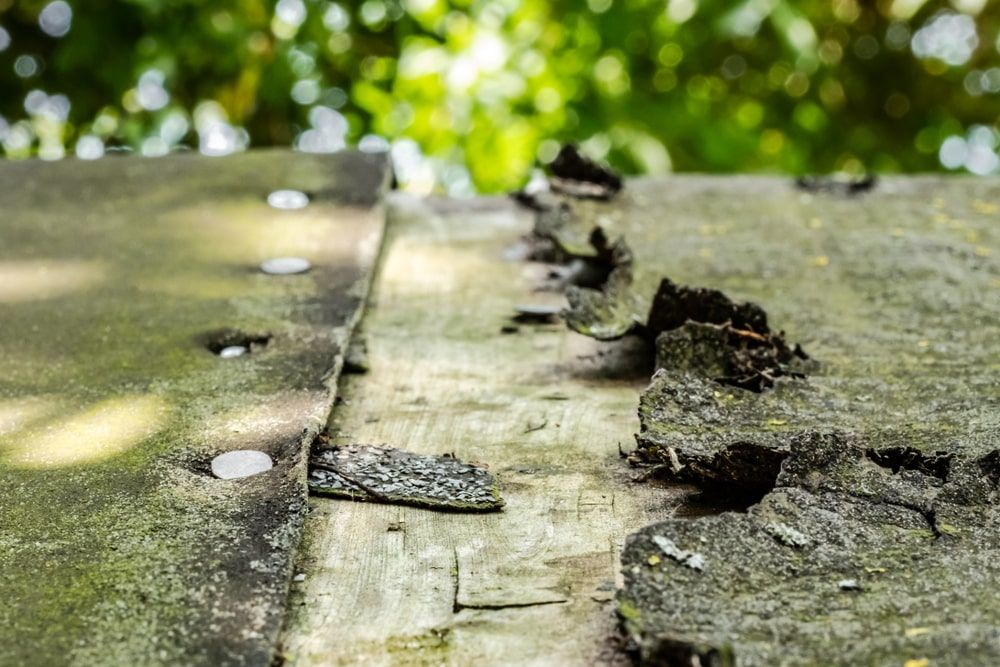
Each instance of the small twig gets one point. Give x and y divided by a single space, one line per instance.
675 462
744 333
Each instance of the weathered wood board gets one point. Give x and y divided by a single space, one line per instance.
544 407
117 546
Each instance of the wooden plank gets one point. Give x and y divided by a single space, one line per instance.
545 408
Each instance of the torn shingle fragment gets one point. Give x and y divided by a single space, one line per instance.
387 475
576 175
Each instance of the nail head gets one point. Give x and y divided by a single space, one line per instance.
241 463
285 266
288 200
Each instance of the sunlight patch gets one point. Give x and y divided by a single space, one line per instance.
94 434
34 280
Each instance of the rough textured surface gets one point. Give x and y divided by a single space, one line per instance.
895 295
383 474
903 324
120 281
701 330
844 563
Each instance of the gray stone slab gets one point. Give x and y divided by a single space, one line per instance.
121 283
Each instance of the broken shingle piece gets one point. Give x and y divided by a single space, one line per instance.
387 475
576 175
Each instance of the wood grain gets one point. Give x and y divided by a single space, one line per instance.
545 408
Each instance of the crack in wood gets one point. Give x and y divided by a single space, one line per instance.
457 606
510 605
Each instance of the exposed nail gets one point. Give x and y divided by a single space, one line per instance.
233 351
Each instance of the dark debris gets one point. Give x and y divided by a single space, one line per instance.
741 349
356 359
897 459
576 175
537 201
849 187
702 330
675 304
533 314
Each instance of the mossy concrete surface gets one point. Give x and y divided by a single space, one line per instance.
872 481
119 280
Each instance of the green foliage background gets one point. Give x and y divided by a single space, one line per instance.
487 89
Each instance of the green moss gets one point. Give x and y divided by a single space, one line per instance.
628 611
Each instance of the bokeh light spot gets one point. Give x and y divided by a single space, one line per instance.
56 18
